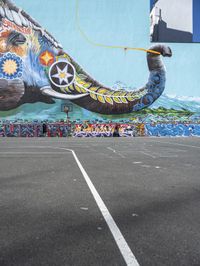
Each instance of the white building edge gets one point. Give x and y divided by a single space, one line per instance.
177 16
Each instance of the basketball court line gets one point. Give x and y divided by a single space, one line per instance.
30 152
123 246
116 152
178 144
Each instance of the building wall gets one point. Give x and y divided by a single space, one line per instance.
177 14
113 22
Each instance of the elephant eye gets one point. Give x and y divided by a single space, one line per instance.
16 38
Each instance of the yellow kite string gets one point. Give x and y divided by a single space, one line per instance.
104 45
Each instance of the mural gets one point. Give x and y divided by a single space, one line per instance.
81 130
35 68
35 130
173 130
108 130
37 76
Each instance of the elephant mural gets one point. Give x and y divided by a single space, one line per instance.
35 68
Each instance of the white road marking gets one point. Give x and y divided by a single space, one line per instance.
111 149
29 152
115 231
114 151
84 208
119 239
150 155
179 144
145 165
137 162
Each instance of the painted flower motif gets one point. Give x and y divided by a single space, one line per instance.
46 58
62 74
10 66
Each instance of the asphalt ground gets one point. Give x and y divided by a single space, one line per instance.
51 214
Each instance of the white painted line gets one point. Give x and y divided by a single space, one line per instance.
120 240
30 152
145 165
114 151
179 144
84 208
115 231
145 153
111 149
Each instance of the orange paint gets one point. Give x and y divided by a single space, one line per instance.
11 25
46 58
20 50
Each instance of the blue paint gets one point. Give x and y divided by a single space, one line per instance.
151 129
151 3
33 130
154 87
34 74
172 130
196 21
16 61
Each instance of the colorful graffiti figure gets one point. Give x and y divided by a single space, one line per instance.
172 130
34 68
34 130
65 130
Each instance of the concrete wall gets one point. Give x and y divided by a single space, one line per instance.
177 14
172 21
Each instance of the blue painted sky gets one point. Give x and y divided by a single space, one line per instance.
115 22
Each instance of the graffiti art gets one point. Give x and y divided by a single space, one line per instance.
39 71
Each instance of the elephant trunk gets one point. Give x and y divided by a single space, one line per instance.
156 83
154 61
100 99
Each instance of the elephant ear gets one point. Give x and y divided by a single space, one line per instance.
11 93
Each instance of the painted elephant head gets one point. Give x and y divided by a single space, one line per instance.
34 67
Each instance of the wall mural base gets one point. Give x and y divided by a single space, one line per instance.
165 109
37 76
100 130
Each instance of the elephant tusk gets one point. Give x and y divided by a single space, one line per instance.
50 92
